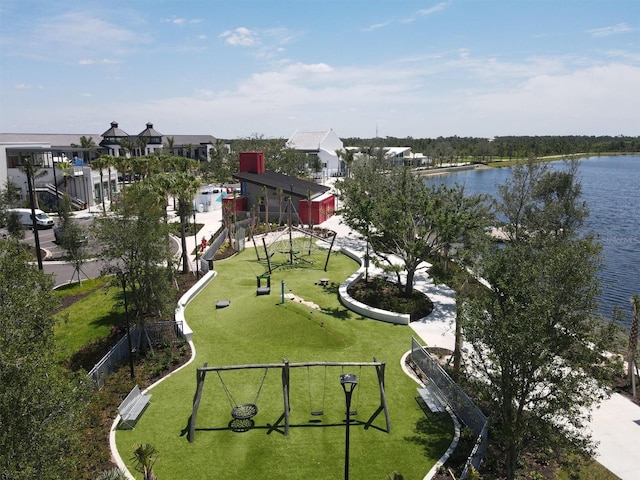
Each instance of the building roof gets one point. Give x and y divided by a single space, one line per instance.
292 185
150 131
307 140
60 140
115 132
65 140
191 139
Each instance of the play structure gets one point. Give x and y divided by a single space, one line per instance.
291 244
242 414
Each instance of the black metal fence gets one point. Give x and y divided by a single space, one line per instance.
460 403
142 338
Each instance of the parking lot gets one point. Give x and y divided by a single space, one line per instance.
46 237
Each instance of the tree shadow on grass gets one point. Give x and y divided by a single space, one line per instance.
434 433
337 312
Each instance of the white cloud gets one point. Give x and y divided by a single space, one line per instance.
613 30
182 21
104 61
23 86
241 36
375 26
426 12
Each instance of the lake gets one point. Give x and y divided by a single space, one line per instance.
611 188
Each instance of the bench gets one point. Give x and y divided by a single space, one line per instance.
432 401
132 406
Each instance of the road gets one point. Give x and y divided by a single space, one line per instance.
63 271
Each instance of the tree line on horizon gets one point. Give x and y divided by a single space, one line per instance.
506 146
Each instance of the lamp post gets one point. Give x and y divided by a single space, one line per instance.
123 278
349 383
195 240
28 166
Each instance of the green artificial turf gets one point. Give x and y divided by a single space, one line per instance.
262 329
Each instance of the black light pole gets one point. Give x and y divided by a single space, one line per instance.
28 167
55 180
195 239
123 279
349 383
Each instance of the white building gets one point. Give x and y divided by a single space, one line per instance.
73 172
321 145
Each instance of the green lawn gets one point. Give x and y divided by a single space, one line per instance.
88 319
262 330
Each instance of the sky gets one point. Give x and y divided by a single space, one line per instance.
365 68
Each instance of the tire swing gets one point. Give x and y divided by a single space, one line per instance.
243 411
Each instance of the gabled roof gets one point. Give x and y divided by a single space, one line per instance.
307 140
291 185
394 151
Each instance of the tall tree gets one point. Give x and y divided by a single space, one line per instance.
401 217
41 409
184 185
71 237
101 163
537 343
136 240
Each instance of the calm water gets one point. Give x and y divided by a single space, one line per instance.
611 187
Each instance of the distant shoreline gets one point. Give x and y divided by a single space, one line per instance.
430 172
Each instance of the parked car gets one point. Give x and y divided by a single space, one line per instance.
24 214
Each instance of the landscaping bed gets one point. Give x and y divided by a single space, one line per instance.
380 293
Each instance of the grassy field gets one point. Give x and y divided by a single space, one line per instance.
88 319
262 329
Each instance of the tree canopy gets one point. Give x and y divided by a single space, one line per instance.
136 239
537 344
41 409
402 217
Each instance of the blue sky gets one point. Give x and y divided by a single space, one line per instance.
399 67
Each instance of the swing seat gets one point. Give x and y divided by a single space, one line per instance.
317 413
244 411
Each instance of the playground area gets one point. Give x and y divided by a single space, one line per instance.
240 431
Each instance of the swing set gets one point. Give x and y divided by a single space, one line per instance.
243 413
283 242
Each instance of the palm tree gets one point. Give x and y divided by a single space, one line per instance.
633 336
88 147
101 163
122 165
145 457
347 157
168 145
184 185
